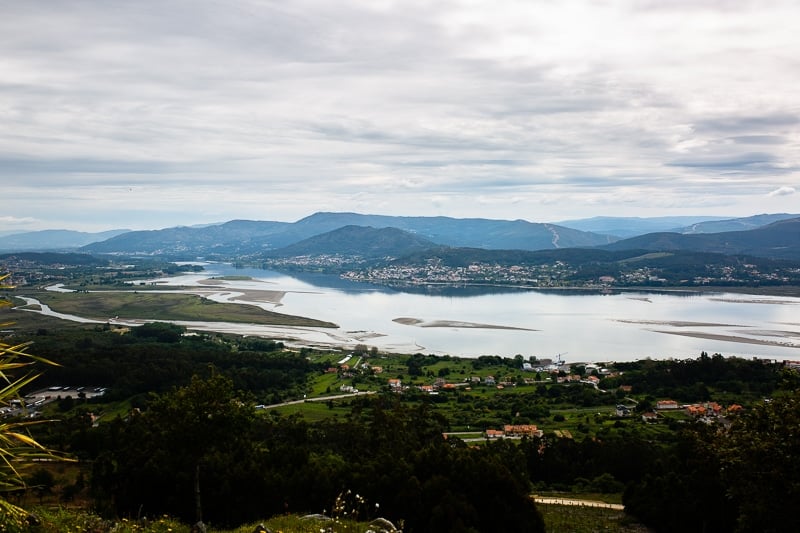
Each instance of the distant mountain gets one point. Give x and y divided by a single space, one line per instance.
469 232
242 237
231 238
358 241
54 239
779 240
55 258
736 224
624 227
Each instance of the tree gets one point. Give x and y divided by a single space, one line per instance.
760 464
189 453
160 331
41 481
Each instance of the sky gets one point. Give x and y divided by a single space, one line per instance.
148 114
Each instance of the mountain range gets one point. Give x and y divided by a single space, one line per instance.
370 236
54 239
625 227
778 240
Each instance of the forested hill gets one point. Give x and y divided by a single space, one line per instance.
779 240
358 241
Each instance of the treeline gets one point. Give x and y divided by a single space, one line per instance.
158 356
385 460
694 380
744 478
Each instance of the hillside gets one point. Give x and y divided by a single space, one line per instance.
230 238
625 227
357 241
779 240
737 224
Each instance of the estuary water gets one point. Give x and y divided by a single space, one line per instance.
579 325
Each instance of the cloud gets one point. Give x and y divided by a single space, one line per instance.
275 109
783 191
16 221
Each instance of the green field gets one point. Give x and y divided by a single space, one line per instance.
160 306
580 519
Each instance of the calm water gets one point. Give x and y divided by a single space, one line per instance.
581 326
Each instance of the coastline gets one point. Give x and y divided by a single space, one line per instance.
776 290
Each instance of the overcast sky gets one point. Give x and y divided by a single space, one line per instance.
148 114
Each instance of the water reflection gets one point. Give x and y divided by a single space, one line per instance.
589 325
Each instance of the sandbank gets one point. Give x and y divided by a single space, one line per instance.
753 301
408 321
679 323
729 338
770 333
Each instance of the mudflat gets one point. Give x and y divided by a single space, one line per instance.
408 321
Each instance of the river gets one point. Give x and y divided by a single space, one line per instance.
579 325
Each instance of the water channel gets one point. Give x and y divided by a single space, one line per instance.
580 325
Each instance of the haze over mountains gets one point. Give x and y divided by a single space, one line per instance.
54 239
768 235
624 227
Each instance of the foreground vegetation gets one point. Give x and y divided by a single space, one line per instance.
59 519
557 519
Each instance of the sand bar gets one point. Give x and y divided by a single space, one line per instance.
408 321
679 323
753 301
729 338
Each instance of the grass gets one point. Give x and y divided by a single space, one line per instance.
314 411
70 521
320 385
154 306
604 497
581 519
557 518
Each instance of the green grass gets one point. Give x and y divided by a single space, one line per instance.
71 521
557 518
314 411
321 384
577 519
105 412
160 306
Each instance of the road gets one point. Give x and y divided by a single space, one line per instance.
580 503
318 399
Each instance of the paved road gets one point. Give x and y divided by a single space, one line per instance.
580 503
318 399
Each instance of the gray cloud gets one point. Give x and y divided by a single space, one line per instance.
783 191
204 110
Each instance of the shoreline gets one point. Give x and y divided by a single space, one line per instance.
771 290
